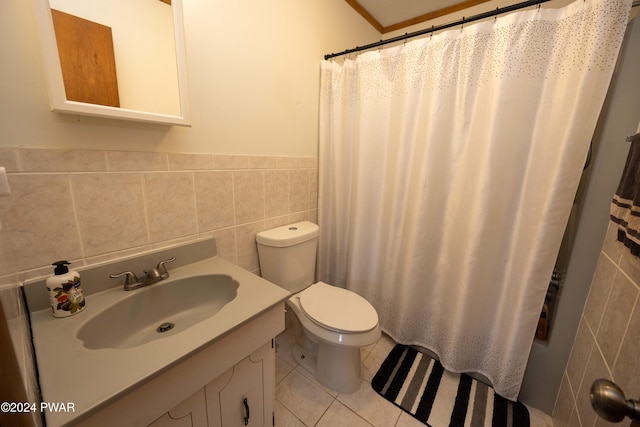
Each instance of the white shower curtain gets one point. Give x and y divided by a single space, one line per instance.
448 167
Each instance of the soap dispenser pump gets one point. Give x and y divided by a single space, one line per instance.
65 293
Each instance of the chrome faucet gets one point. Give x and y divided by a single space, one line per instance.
152 276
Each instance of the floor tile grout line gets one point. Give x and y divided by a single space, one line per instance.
289 411
325 412
371 354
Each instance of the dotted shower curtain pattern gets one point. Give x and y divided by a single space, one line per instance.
448 166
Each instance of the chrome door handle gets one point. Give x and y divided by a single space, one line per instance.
608 400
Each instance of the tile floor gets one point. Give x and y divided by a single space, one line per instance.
302 401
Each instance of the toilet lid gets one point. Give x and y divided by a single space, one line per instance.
338 309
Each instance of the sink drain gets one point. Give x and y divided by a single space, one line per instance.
165 327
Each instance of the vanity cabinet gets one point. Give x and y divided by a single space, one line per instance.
208 388
219 352
242 396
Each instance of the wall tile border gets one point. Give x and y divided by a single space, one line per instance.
169 198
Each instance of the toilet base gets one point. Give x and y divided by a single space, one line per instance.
305 358
339 368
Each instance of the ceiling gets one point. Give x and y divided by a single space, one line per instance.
391 15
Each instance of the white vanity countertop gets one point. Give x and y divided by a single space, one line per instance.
90 379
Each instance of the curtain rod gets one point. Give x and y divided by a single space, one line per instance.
463 21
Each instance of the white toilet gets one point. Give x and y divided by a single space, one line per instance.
336 322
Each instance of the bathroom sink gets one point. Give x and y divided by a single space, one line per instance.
124 372
158 311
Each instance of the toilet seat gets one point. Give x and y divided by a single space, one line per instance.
337 309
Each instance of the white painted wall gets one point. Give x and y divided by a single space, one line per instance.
253 81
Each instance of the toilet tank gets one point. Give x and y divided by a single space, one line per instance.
287 255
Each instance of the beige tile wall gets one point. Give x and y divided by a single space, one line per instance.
87 206
607 343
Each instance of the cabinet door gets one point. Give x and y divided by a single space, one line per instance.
242 395
192 412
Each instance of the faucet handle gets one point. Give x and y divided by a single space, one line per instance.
130 278
162 269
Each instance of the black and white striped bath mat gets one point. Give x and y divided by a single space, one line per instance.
420 386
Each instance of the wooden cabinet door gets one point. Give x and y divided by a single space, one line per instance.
87 59
243 395
236 398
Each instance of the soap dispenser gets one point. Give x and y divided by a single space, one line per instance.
65 293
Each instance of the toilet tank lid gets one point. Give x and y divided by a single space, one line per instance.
288 235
